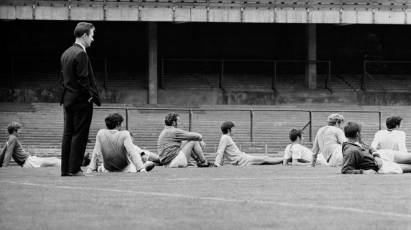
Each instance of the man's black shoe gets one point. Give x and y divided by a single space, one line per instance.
79 173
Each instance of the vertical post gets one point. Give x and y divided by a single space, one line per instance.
311 66
152 63
379 120
126 118
105 73
221 74
190 120
274 78
160 79
364 66
266 149
251 126
311 125
329 75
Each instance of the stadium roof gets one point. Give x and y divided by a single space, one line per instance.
243 11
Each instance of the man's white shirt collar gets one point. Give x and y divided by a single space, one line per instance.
84 48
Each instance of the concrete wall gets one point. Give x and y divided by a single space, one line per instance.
215 96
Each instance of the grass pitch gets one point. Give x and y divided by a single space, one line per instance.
254 197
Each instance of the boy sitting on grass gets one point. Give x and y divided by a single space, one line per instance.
229 150
359 158
298 154
117 150
13 149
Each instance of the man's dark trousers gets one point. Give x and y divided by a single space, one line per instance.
77 120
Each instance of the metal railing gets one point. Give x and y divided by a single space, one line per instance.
53 66
223 62
103 67
367 74
190 113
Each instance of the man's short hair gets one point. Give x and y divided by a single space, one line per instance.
227 125
113 120
351 129
294 134
170 118
393 121
335 118
83 28
13 127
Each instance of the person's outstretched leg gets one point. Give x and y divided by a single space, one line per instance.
50 162
406 168
264 160
149 156
402 158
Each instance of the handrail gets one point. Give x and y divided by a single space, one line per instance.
366 74
251 112
56 60
222 62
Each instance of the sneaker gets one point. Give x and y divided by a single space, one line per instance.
205 165
149 166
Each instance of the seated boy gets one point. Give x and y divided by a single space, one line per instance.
298 154
228 149
116 148
359 158
13 148
176 146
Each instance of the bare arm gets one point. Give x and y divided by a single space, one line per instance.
96 153
182 135
316 150
135 153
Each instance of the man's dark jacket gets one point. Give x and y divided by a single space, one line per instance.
79 82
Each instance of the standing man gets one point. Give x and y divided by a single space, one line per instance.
79 94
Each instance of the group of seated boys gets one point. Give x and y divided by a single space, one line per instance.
334 145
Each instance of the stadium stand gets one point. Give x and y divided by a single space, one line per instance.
190 81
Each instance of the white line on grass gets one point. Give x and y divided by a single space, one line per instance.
253 178
220 199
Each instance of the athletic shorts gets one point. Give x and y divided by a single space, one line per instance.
180 161
37 162
130 168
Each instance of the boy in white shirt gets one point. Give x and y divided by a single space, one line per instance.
229 150
298 154
328 141
390 143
